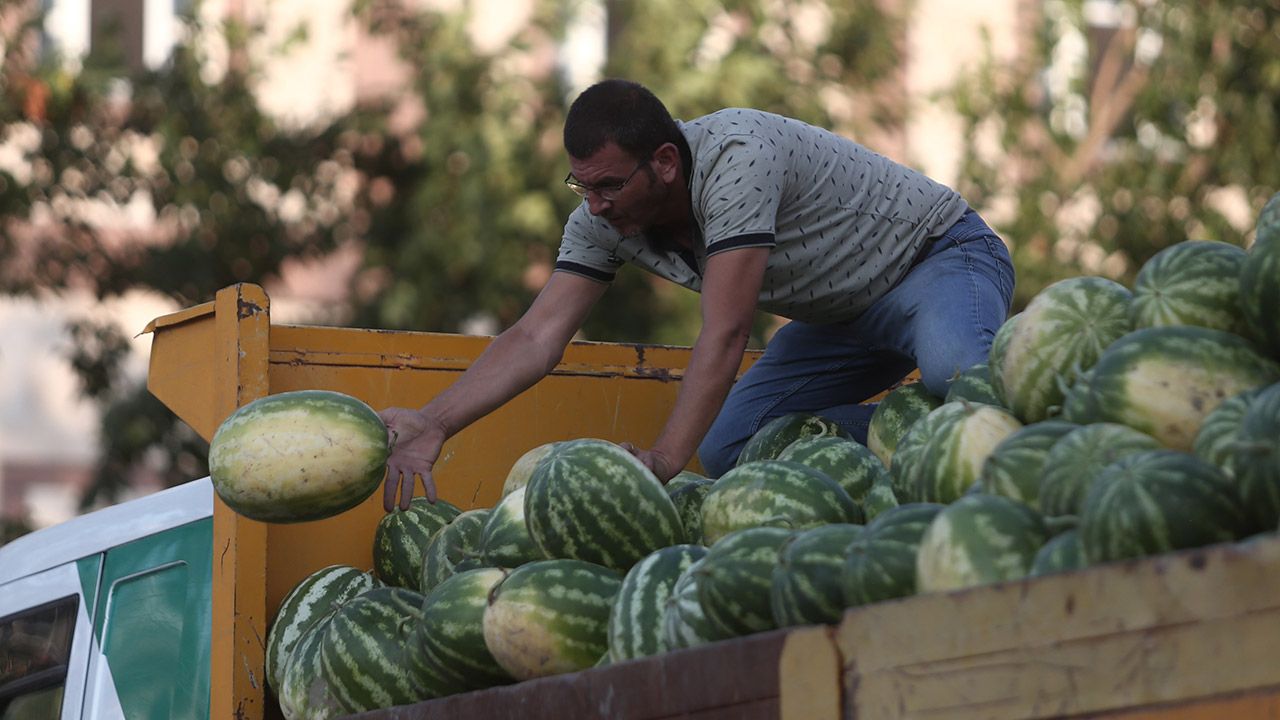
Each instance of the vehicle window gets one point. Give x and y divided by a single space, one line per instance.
35 647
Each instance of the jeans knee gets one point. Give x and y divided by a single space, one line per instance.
717 455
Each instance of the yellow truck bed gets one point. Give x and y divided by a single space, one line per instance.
1190 635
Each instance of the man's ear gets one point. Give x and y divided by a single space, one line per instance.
667 161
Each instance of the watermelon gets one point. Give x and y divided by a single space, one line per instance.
550 617
774 493
1062 332
974 385
976 540
451 633
894 415
879 499
1196 282
688 500
315 597
592 500
298 456
685 478
401 539
368 649
522 470
303 693
848 462
806 587
881 563
735 580
1256 459
1157 501
1260 281
684 624
1216 440
942 455
771 439
451 544
505 541
1164 381
636 619
1063 552
1015 469
1075 460
996 355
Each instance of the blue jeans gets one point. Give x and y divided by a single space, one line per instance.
940 318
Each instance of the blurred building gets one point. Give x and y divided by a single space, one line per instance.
48 434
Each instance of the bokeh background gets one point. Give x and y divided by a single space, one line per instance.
397 164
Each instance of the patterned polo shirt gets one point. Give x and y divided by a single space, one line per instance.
844 223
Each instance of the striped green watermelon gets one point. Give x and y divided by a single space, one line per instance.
688 500
771 439
1164 381
592 500
942 455
775 493
1062 553
976 540
401 539
996 355
1074 461
848 462
636 627
315 597
1216 440
368 648
505 540
685 478
522 470
881 563
974 385
1157 501
297 456
550 617
1062 332
1257 459
1195 282
1081 405
735 580
453 543
879 499
304 694
451 632
1260 281
684 624
806 587
1015 469
894 415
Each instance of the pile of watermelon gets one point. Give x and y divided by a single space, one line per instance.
1109 423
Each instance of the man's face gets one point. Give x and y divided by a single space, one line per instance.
633 207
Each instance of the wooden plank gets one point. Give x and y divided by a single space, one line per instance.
809 675
1158 630
735 679
1252 705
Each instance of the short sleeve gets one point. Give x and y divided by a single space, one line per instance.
741 192
580 254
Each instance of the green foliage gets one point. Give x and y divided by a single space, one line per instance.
1100 169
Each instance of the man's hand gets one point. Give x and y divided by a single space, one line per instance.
655 460
416 439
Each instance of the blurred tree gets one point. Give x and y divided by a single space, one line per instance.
459 219
1129 127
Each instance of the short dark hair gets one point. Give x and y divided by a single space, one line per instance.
618 111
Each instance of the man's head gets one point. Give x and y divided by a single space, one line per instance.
618 111
624 156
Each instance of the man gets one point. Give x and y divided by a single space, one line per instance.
880 269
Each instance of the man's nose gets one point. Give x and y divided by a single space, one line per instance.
595 203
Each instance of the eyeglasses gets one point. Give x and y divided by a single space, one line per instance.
608 193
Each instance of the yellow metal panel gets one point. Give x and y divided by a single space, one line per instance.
1160 630
182 366
241 330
